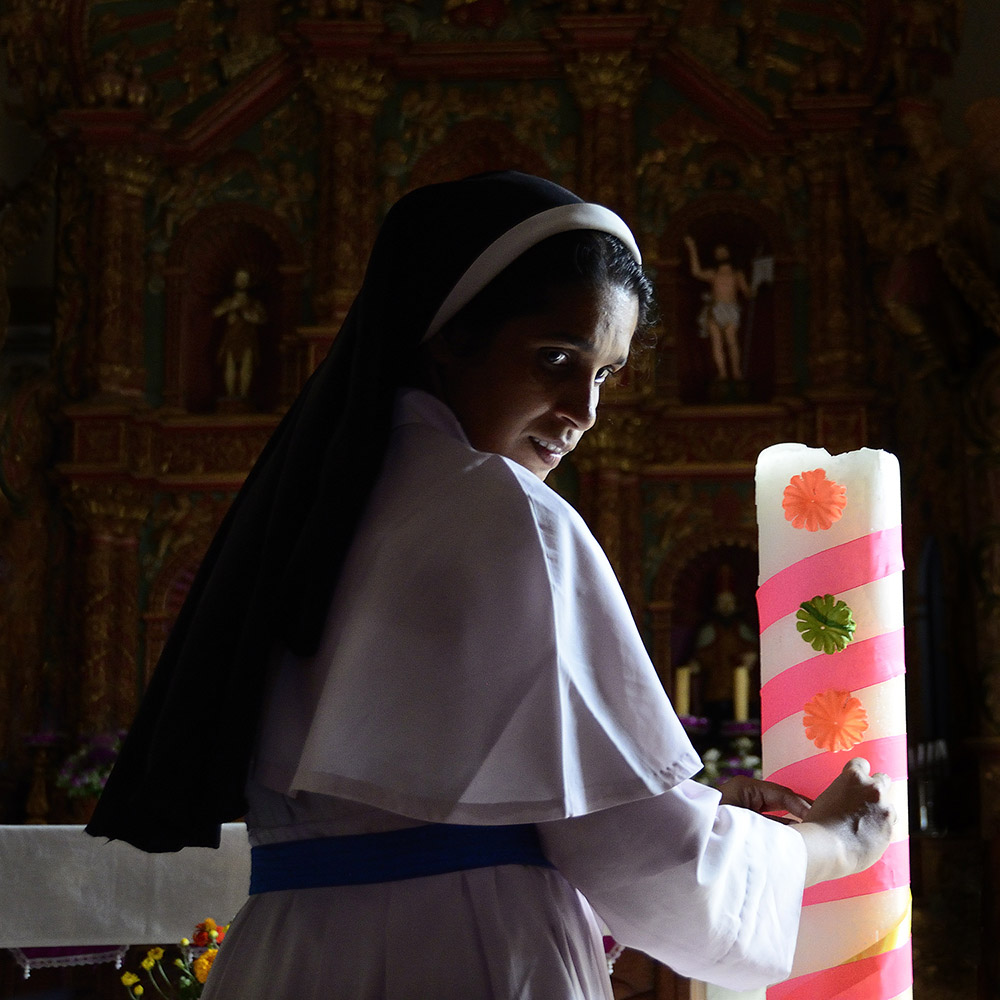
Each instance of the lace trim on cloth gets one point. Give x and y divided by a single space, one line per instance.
64 957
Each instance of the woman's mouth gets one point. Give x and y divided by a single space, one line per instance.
550 452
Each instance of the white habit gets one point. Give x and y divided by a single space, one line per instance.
480 665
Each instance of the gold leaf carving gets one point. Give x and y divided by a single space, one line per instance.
348 86
612 79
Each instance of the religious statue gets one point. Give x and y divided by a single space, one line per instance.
719 320
725 656
239 349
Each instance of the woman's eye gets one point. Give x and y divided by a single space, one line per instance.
554 357
604 374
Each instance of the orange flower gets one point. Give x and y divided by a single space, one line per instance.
207 934
203 933
834 720
203 964
812 501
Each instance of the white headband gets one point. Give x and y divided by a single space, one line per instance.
508 247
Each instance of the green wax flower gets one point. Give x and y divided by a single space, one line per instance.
825 623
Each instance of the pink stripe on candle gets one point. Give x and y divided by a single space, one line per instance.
859 665
812 774
832 571
875 978
891 871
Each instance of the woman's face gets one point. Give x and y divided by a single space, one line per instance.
532 394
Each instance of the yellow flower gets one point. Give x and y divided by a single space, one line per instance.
129 979
185 942
203 964
138 991
210 924
155 954
147 963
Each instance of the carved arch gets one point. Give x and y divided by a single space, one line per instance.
684 585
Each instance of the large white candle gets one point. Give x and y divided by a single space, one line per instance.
831 610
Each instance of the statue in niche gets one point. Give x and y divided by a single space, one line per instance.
721 315
725 655
239 348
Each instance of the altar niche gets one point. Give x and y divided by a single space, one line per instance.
725 311
232 296
714 674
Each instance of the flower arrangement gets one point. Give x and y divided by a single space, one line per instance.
741 757
85 771
193 965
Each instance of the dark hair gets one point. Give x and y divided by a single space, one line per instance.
581 258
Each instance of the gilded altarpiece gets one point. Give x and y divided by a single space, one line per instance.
220 171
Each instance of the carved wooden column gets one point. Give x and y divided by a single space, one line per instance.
121 177
836 354
608 462
606 77
108 515
829 323
349 90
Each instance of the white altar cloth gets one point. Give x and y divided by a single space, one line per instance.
59 886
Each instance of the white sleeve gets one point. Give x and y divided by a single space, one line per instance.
712 891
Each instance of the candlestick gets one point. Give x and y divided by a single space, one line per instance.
831 618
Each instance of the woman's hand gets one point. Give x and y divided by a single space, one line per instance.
849 824
765 797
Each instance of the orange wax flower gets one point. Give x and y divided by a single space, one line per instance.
835 720
812 501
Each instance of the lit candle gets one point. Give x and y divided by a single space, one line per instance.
831 618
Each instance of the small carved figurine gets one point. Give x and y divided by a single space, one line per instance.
239 349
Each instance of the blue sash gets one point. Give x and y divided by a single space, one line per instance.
362 859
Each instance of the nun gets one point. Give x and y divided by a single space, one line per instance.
420 680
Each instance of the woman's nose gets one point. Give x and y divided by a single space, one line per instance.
578 403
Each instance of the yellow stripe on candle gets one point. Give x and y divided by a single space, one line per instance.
896 937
